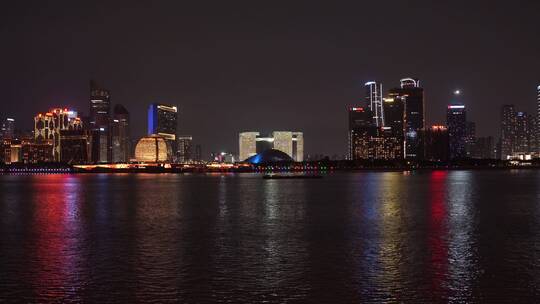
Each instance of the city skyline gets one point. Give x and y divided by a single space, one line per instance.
387 100
224 75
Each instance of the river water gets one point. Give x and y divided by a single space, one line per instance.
413 237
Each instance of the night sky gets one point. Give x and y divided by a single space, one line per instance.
264 65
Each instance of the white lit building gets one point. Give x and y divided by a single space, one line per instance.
248 146
374 98
291 143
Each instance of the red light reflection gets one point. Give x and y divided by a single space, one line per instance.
438 232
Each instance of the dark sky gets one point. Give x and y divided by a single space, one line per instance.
266 65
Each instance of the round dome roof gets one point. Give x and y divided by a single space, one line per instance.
269 156
152 148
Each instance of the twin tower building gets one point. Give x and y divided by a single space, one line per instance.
291 143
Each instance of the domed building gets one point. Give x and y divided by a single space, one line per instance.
269 156
152 148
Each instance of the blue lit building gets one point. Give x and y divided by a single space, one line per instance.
163 120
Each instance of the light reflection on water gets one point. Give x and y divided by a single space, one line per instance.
434 236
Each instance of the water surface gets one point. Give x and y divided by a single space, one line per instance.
434 236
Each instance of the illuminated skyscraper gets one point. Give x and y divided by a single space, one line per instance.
436 138
100 106
360 129
298 146
163 120
508 131
522 143
412 96
470 140
120 135
47 127
247 144
456 119
394 106
8 128
99 125
184 147
283 141
374 99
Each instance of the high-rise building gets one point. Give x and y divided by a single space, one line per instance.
522 142
100 106
74 146
470 139
484 148
99 124
412 95
163 120
394 106
517 134
184 145
436 138
121 149
456 120
298 146
360 127
47 127
376 144
198 153
247 144
367 141
8 128
374 99
508 131
291 143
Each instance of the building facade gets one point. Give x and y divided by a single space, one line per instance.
412 96
518 138
437 143
374 100
508 131
470 139
523 132
47 127
163 120
74 146
152 149
7 128
484 148
121 141
291 143
456 120
360 128
247 144
184 149
100 123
